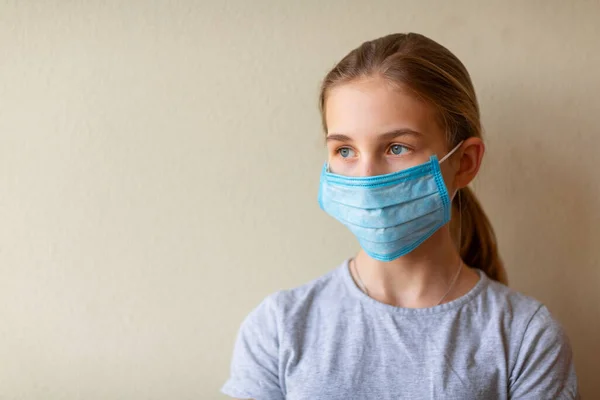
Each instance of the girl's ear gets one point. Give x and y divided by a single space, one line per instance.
469 162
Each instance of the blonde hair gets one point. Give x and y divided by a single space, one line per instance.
436 76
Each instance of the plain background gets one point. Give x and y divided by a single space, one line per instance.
159 165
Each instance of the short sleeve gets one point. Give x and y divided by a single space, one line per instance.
544 367
255 363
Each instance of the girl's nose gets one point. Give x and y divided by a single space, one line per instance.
371 167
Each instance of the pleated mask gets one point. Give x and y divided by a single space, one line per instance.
390 214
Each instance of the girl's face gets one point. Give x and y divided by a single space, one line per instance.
375 129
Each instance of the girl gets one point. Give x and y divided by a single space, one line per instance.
422 311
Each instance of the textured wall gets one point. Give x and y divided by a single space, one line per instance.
159 166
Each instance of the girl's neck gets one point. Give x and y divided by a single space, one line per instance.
418 279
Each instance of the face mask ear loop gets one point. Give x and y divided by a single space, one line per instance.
459 199
459 225
451 152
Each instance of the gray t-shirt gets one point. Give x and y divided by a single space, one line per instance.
328 340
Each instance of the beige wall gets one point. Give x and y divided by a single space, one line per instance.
159 166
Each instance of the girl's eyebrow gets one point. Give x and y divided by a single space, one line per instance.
340 137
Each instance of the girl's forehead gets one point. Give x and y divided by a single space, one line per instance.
372 106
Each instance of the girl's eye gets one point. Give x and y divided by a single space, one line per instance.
398 149
345 152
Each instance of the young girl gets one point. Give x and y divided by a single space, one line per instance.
422 311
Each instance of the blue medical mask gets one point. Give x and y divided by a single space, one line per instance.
391 214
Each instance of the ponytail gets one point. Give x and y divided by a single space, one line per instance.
478 247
